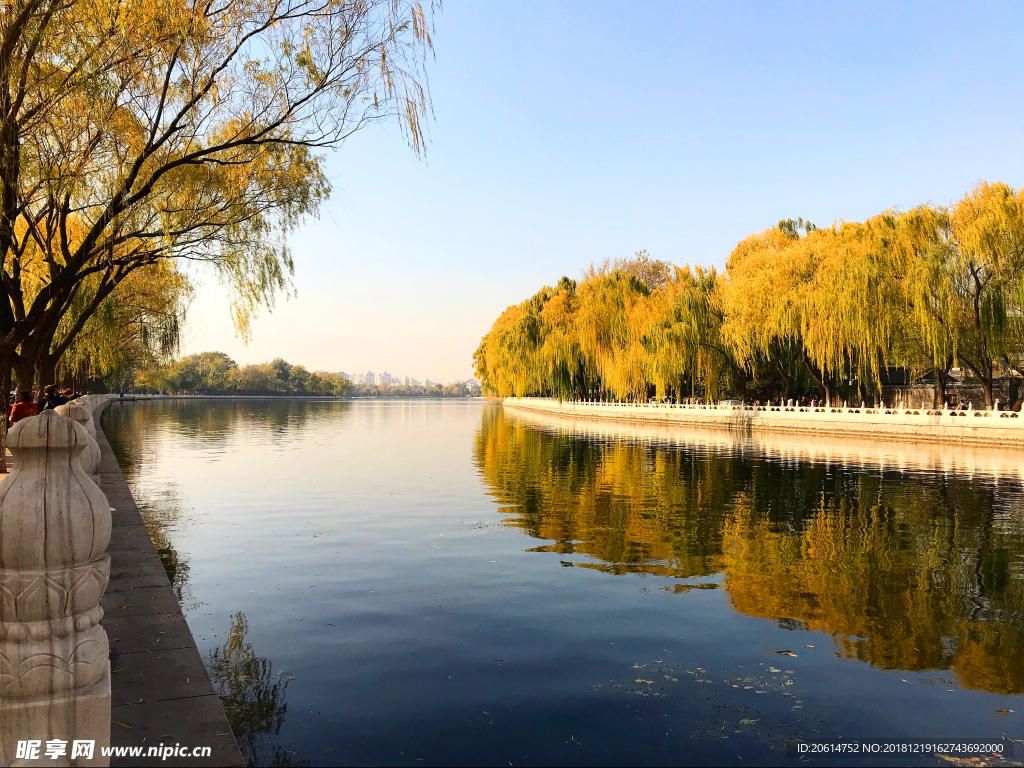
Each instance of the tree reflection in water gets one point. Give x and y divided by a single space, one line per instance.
905 571
253 697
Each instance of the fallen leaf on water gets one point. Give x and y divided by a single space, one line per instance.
639 666
641 680
125 725
747 721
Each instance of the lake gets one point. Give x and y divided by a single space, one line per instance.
426 582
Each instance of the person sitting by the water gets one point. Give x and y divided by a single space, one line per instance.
70 394
52 397
23 408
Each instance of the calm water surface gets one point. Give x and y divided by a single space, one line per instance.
425 583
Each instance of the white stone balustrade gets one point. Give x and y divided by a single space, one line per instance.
982 426
54 530
80 412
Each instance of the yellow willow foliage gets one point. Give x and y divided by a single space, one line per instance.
565 367
833 292
761 297
986 266
608 311
901 572
964 278
920 290
680 331
612 334
918 248
852 313
510 358
136 327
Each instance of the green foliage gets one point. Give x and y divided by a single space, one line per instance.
214 373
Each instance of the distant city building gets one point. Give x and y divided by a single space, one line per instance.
385 379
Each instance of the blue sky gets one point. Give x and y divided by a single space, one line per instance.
570 132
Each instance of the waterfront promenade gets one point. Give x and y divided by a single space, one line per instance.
986 427
160 690
135 682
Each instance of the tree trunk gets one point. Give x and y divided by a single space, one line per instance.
46 366
986 386
5 404
24 372
941 382
787 382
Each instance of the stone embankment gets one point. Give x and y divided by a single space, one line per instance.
987 427
932 457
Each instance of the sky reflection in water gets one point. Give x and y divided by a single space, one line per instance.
357 577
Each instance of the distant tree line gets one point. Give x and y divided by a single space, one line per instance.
214 373
799 310
455 389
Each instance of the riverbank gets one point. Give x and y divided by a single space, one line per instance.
300 398
160 690
932 457
1004 428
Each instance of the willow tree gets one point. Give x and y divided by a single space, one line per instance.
681 334
917 241
134 131
982 279
133 329
832 294
569 372
509 359
762 302
608 311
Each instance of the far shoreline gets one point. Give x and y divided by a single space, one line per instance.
290 396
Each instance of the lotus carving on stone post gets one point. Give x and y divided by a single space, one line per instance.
54 531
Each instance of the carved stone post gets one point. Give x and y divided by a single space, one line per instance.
91 455
54 655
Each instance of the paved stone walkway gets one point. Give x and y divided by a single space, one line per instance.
161 692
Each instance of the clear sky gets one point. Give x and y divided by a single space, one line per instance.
570 132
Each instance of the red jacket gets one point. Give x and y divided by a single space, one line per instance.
21 411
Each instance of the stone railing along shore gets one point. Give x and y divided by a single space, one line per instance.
60 682
969 426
